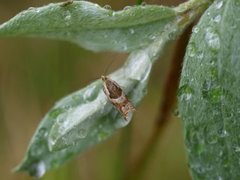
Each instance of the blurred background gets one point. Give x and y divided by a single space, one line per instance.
34 73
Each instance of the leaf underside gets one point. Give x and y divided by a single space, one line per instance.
209 93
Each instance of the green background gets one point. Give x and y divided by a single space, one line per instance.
34 73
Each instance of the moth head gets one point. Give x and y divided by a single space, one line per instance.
104 78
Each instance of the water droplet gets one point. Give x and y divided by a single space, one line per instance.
237 148
215 95
124 48
51 143
200 55
223 133
82 133
132 31
220 153
219 4
127 7
105 36
192 50
121 122
211 135
217 19
152 37
67 16
196 29
56 112
37 10
185 92
107 7
102 136
43 132
212 39
176 113
90 93
40 169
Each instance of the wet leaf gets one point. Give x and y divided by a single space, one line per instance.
209 93
91 26
86 117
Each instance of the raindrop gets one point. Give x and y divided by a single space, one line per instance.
152 37
196 29
67 16
200 55
56 112
217 19
211 137
114 13
192 50
105 36
223 133
67 107
102 136
185 92
124 48
212 39
220 153
82 133
121 122
89 94
215 95
43 132
237 148
51 143
176 113
127 7
40 169
31 8
132 31
219 4
37 10
107 7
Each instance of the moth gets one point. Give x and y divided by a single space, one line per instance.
117 97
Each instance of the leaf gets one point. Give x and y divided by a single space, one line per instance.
209 93
92 26
85 117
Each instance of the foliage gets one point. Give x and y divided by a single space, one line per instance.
208 94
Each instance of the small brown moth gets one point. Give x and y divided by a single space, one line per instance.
117 97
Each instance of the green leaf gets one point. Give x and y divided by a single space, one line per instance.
86 117
92 26
209 93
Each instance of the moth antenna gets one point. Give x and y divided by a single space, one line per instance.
108 67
